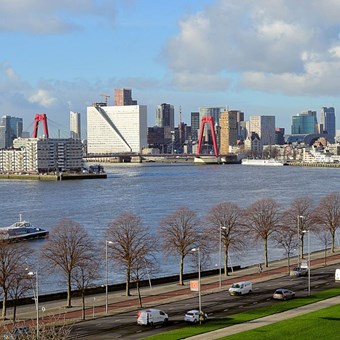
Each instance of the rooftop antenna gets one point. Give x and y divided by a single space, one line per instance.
106 97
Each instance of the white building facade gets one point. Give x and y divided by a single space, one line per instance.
75 126
116 129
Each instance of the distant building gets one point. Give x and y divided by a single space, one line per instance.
75 131
165 116
123 97
37 155
214 112
253 145
116 129
228 131
195 125
10 128
305 123
279 136
327 120
264 127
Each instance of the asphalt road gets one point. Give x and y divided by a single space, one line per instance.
217 305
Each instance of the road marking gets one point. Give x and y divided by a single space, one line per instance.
226 310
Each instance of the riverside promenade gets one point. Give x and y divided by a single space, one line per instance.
54 312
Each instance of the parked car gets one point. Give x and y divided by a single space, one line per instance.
152 316
193 316
283 294
240 288
299 271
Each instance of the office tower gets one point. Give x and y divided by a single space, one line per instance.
304 123
165 116
214 112
327 119
228 131
264 127
123 97
75 131
279 136
195 125
116 129
11 129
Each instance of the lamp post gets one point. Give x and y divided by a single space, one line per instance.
308 240
36 297
298 233
107 278
199 281
219 257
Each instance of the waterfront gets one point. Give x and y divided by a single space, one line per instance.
155 190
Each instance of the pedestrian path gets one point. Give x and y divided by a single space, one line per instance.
49 312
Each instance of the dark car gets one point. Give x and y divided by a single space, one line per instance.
283 294
299 271
18 333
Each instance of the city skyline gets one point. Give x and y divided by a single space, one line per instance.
274 57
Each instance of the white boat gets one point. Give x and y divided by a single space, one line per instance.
207 159
21 230
262 162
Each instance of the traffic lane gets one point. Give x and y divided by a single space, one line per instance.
218 304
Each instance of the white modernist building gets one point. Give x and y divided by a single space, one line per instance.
116 129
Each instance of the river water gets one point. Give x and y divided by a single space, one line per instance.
153 191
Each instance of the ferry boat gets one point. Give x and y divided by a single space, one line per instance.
21 230
265 162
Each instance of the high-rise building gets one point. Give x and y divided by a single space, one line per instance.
123 97
228 131
264 127
165 116
195 125
75 131
327 119
279 136
304 123
214 112
11 129
116 129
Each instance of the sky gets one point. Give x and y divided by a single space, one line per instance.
263 57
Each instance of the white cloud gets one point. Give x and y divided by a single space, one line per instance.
42 98
283 46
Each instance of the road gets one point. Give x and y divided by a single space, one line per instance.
217 305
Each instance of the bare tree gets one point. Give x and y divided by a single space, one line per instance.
180 232
84 275
300 216
12 265
285 237
324 236
327 215
130 243
68 246
263 220
226 220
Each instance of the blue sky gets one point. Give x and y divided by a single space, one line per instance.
264 57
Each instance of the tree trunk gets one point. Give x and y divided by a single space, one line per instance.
83 304
288 263
333 242
265 241
139 294
68 303
181 269
4 303
127 283
226 253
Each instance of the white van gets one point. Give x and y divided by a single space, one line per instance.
337 274
241 288
151 316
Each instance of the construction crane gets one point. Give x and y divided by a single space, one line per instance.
106 97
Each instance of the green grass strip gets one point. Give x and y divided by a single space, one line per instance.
275 307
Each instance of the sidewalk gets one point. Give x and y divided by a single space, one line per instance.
49 312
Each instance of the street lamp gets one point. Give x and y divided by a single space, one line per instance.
308 240
298 233
219 257
36 298
107 278
199 281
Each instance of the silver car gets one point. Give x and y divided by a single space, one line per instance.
193 316
283 294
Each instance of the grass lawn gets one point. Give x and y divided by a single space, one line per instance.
276 307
